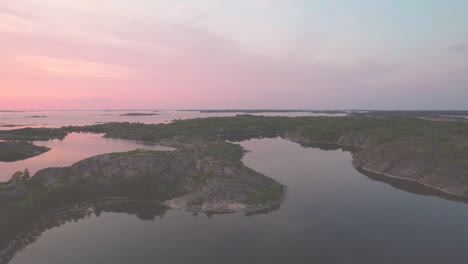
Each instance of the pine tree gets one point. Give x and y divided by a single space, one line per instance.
26 175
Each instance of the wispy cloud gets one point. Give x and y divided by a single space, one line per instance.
13 21
180 7
460 48
76 68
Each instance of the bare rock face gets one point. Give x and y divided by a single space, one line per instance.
419 163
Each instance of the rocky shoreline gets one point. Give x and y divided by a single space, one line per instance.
398 160
184 179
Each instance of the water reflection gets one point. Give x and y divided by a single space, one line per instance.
412 187
333 214
145 211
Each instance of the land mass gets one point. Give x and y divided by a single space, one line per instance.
255 111
36 116
14 151
139 114
431 153
205 173
199 176
32 134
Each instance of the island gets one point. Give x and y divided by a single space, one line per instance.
139 114
257 111
199 176
32 134
36 116
14 151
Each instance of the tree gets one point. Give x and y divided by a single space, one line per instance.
26 175
17 176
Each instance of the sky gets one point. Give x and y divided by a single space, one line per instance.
215 54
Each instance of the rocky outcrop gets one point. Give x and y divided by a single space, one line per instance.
182 179
418 163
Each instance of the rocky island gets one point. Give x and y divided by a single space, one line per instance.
198 176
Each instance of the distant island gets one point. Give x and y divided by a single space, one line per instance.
256 111
32 134
139 114
36 116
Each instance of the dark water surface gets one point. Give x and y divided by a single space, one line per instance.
332 214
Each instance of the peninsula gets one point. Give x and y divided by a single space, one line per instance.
13 151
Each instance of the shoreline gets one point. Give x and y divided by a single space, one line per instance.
304 141
409 180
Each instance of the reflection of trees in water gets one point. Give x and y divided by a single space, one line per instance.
401 184
265 210
326 146
143 210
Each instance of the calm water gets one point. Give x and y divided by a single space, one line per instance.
332 214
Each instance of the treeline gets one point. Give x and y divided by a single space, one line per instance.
31 134
316 128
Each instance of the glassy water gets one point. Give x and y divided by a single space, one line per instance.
332 214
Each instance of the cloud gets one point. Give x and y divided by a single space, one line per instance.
76 68
180 7
12 21
460 48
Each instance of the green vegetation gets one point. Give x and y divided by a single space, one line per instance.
446 141
150 187
30 134
14 215
256 111
272 193
13 151
317 128
38 200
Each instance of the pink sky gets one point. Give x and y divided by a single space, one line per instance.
203 54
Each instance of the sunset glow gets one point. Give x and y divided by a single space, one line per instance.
324 54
